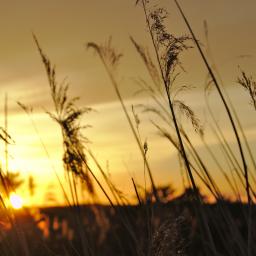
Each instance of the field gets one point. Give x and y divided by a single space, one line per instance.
55 230
212 209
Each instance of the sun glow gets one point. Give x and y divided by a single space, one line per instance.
16 201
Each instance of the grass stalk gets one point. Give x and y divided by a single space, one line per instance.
222 98
202 218
120 98
136 192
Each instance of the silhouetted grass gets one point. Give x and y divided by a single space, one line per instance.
185 225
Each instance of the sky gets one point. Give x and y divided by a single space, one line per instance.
63 28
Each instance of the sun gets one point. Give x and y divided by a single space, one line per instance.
16 201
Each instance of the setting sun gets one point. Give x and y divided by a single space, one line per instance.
16 201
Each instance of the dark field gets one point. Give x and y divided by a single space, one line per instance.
154 229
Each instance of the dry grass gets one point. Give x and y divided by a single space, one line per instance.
156 227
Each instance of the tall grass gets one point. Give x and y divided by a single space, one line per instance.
75 162
227 108
110 60
214 227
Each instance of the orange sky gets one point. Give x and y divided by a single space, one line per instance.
63 27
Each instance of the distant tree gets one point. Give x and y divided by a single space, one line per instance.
10 182
31 185
189 194
164 192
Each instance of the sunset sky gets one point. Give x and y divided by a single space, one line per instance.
63 28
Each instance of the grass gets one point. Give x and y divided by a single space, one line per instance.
156 226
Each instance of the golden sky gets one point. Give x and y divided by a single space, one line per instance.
63 27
